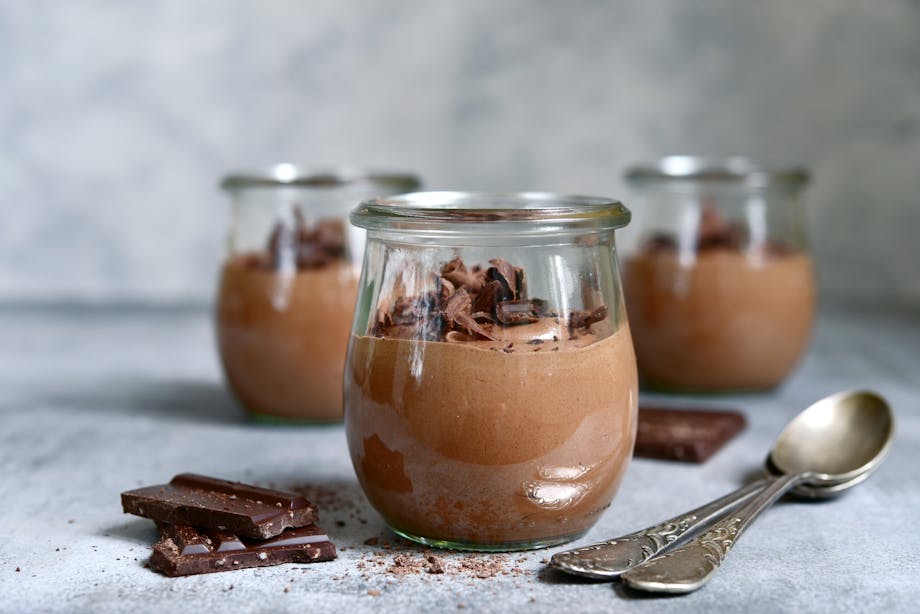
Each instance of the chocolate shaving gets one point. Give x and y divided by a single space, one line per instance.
488 297
660 243
457 311
457 304
466 304
520 281
456 273
517 312
582 319
502 271
305 247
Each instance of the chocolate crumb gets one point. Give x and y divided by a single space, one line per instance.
435 567
582 319
17 569
519 311
340 523
370 541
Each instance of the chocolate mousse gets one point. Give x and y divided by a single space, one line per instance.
725 315
480 418
283 319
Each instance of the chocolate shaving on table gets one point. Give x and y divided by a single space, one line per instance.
582 319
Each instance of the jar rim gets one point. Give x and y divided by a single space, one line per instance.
286 174
732 169
541 211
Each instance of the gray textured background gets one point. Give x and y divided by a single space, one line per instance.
117 117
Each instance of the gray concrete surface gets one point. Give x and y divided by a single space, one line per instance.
96 401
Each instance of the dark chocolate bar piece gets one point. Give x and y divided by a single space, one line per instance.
690 435
249 511
184 550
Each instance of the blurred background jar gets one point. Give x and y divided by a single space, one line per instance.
719 281
490 385
288 286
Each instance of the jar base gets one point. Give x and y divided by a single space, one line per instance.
658 387
535 544
272 420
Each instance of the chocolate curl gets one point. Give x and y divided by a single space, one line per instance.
716 231
518 312
457 311
456 273
502 271
490 295
582 319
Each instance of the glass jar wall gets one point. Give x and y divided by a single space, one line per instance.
719 284
490 384
288 286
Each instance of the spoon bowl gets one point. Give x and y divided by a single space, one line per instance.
835 440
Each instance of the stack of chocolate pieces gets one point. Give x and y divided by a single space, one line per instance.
208 525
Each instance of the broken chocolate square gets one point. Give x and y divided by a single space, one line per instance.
184 550
249 511
690 435
519 311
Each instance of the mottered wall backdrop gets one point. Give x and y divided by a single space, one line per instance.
118 117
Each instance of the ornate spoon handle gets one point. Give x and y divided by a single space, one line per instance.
687 568
614 557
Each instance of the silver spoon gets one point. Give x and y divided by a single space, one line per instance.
834 444
612 558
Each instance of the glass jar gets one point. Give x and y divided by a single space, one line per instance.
490 384
288 286
719 284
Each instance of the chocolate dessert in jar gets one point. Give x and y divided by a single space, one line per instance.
288 286
718 281
490 384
